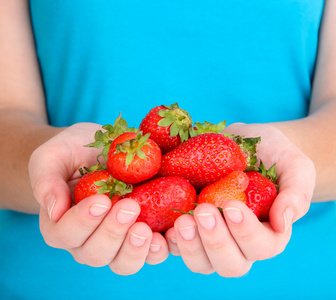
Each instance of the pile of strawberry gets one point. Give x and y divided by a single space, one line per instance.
170 164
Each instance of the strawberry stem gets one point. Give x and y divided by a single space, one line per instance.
104 139
249 147
114 187
133 147
178 119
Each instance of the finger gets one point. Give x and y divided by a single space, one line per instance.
256 240
77 224
158 250
105 242
53 164
170 237
295 192
53 194
190 245
133 252
222 250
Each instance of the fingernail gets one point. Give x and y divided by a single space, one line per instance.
288 216
235 215
125 216
98 210
137 240
188 233
50 204
207 220
155 248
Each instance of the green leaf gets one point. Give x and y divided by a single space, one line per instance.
98 144
193 132
129 158
143 139
162 113
184 135
190 212
249 147
272 174
221 126
121 188
132 129
141 154
100 183
98 135
199 126
81 171
174 129
103 190
105 151
165 122
107 127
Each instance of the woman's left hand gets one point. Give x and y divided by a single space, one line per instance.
210 243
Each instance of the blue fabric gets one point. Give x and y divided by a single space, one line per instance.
246 61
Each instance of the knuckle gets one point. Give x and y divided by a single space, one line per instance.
113 233
191 252
214 245
84 224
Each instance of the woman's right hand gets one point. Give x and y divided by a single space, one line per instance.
94 233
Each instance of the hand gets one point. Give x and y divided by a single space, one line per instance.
210 243
93 232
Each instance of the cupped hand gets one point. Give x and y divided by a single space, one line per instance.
95 233
229 246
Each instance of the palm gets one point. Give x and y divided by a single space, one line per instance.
295 170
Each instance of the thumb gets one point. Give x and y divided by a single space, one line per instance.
49 177
295 194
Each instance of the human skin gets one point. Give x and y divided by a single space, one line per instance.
209 244
47 190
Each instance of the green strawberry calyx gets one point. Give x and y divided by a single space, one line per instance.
248 145
104 139
208 127
178 119
270 173
113 187
133 147
86 170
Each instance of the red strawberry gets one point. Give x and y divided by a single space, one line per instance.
104 139
169 126
133 158
206 158
230 187
100 182
158 197
261 191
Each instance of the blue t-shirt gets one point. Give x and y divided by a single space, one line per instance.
240 61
